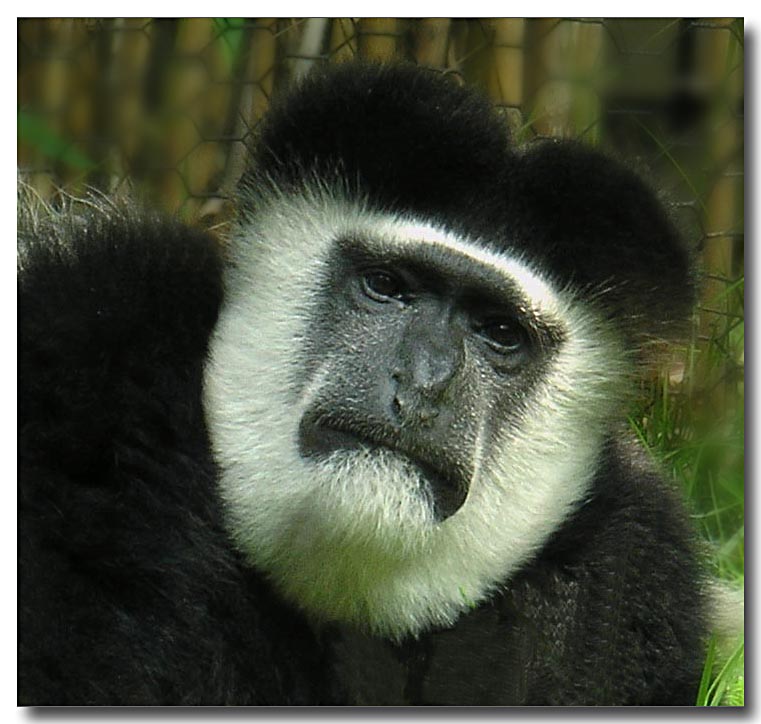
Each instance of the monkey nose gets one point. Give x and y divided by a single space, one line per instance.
414 411
427 415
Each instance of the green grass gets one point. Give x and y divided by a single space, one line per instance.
34 130
727 687
695 426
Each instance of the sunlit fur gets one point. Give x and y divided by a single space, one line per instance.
351 538
71 219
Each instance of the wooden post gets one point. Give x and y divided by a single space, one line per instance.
378 38
565 62
432 42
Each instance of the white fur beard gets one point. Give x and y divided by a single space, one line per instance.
353 538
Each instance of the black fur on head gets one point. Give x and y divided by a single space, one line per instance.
593 223
405 138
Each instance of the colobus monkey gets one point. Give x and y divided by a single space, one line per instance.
372 452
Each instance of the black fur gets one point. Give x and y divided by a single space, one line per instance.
608 614
590 221
129 589
360 124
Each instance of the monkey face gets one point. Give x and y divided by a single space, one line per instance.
422 355
401 415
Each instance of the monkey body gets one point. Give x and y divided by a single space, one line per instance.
129 590
375 455
554 636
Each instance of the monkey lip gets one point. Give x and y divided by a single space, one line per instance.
321 440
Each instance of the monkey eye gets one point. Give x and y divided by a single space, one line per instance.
503 335
383 286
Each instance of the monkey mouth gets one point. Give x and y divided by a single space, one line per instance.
444 489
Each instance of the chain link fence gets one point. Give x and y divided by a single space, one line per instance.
167 107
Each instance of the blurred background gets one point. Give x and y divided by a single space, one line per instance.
166 108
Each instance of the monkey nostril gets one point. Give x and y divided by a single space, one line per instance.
414 411
429 413
427 416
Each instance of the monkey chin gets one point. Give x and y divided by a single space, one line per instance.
440 489
353 548
370 499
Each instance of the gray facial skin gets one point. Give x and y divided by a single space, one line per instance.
425 355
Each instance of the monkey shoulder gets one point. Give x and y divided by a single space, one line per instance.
615 604
129 590
611 611
114 313
104 286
